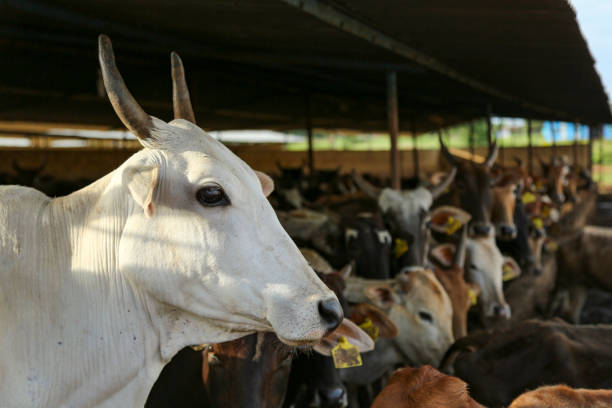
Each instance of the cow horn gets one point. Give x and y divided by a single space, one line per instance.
459 258
439 188
365 186
181 102
126 107
454 160
490 160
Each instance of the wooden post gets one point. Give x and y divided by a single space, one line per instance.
554 140
489 127
415 152
471 139
311 165
529 148
393 128
575 146
590 149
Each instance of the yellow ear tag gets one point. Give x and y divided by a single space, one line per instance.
528 198
452 225
537 223
508 273
400 248
369 327
473 297
546 211
346 355
551 246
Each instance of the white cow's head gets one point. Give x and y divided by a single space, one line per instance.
201 241
407 213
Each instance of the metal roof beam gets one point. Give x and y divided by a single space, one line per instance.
351 25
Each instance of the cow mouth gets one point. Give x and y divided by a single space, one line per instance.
298 343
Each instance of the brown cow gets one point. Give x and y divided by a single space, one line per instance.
451 276
583 259
473 186
500 365
424 387
562 396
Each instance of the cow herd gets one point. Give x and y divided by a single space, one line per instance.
184 278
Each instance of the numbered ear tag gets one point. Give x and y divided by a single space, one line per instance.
346 355
452 225
369 327
508 273
528 198
473 297
400 248
537 223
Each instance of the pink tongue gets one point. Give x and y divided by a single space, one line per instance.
351 332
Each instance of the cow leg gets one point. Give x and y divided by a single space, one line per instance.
577 299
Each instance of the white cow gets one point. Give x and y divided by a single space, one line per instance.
178 246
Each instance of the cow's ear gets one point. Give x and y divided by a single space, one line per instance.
350 332
361 312
142 182
510 269
446 219
443 254
382 296
267 184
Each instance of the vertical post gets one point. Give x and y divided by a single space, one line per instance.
489 127
311 165
471 139
529 147
575 146
590 149
393 128
501 144
415 151
554 140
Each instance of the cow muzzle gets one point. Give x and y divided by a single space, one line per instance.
506 232
331 313
480 229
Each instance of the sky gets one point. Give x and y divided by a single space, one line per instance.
595 19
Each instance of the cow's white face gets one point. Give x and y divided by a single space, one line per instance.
408 210
484 266
203 239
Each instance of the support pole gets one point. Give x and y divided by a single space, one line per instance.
471 140
529 148
575 146
489 127
393 128
590 149
554 140
311 165
415 152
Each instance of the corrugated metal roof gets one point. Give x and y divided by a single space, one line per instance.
261 64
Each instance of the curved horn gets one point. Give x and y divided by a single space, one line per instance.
181 102
449 156
126 107
439 188
490 160
365 186
459 258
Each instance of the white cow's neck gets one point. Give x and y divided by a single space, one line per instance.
109 340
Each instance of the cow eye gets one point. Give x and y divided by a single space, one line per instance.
425 316
212 196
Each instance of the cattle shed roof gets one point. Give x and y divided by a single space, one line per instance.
268 63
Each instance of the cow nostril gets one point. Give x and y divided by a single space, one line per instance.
332 397
331 312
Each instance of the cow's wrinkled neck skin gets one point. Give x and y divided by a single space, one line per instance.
108 338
